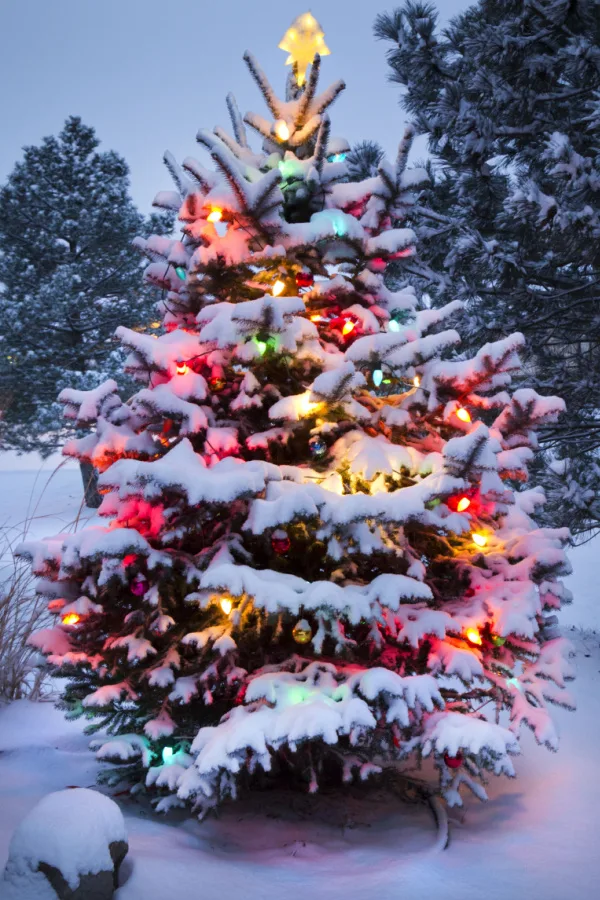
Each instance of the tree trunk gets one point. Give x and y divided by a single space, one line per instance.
89 476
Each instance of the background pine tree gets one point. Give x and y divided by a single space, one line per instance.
68 276
508 94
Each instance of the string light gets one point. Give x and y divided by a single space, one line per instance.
377 377
479 539
71 619
337 157
167 755
181 368
180 271
473 636
348 327
282 130
463 504
393 325
261 346
463 414
226 606
278 288
154 324
316 318
416 381
215 214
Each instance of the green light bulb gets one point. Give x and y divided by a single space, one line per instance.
181 272
167 755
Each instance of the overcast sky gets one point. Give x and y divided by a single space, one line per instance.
146 74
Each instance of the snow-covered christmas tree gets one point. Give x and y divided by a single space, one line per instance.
320 555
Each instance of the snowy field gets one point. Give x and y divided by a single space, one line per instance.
536 838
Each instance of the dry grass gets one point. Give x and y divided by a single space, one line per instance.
21 613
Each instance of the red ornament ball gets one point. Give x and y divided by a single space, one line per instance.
139 587
304 279
280 542
453 762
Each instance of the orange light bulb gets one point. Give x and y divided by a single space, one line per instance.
463 414
71 619
473 636
463 503
226 606
215 214
348 327
479 539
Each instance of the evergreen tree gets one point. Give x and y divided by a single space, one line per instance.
68 276
508 94
315 559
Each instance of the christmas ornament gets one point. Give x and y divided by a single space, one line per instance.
280 542
473 636
304 279
71 619
463 414
453 762
302 632
139 587
217 383
278 288
215 214
181 272
302 40
479 539
226 605
317 447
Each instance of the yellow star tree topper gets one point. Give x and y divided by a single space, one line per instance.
302 40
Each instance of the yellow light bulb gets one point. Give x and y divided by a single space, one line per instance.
463 414
416 381
181 368
463 503
154 324
473 636
282 130
278 288
348 327
226 606
215 214
479 539
71 619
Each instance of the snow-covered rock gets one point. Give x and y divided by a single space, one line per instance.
69 846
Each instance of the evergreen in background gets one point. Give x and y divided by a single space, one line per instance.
68 276
508 94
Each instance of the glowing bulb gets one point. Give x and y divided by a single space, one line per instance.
167 755
181 368
377 377
473 636
71 619
393 325
463 414
181 272
226 606
154 324
416 381
348 327
316 318
463 503
215 214
281 130
278 288
479 539
261 346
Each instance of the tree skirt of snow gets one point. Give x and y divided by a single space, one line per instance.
71 831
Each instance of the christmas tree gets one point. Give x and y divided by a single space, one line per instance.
320 554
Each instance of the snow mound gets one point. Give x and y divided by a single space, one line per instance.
70 830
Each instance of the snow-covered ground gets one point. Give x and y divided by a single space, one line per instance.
535 838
